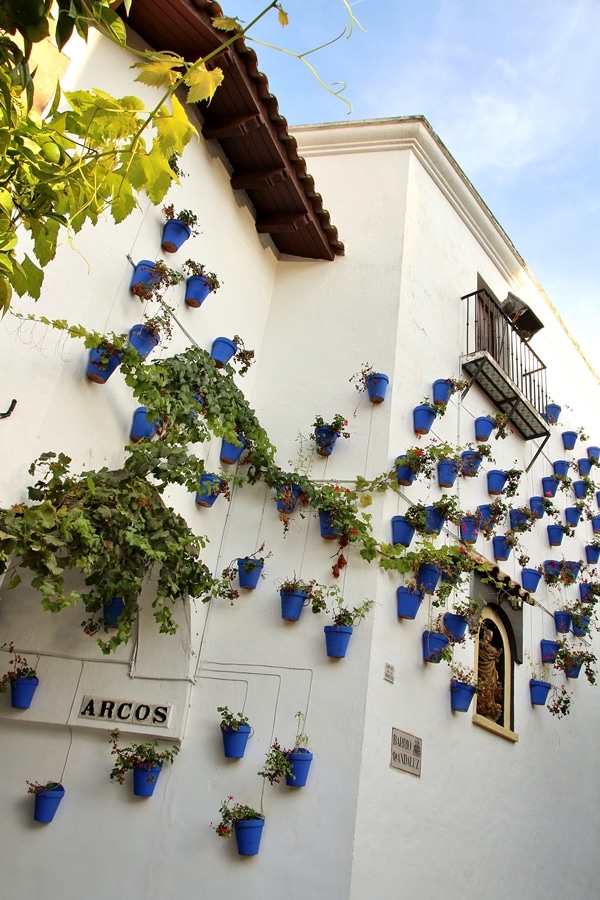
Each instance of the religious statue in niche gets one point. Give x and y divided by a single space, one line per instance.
490 694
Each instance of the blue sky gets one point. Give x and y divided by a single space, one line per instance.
512 87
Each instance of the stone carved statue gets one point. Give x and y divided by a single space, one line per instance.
490 692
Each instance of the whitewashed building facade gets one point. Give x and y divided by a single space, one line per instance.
490 812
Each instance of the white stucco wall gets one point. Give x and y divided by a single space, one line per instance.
416 236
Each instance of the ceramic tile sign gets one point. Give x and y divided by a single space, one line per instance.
407 751
120 712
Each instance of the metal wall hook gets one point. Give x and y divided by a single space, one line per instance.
9 411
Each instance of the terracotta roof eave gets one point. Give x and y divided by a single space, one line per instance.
244 118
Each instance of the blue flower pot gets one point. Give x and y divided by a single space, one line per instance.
433 646
141 428
555 535
593 454
517 519
292 604
562 621
549 486
469 529
111 612
47 802
569 439
552 413
446 473
461 695
573 671
592 554
434 520
539 691
502 550
496 479
549 651
249 572
404 473
145 779
143 339
174 234
573 566
234 741
377 386
248 833
572 515
97 372
584 590
584 465
222 351
402 532
325 438
329 530
208 489
337 638
230 452
561 467
484 425
197 290
144 273
471 461
441 390
408 602
22 691
580 628
536 505
428 577
486 515
423 418
455 626
580 489
530 578
287 497
300 761
596 524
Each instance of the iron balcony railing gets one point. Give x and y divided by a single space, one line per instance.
500 360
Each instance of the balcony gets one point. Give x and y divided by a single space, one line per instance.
501 362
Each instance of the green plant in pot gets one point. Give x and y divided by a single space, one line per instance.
569 657
292 763
145 760
199 270
232 812
22 679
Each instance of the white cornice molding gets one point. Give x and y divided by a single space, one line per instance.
414 133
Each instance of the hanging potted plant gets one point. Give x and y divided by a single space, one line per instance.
144 760
436 644
296 594
539 685
326 433
246 570
374 383
209 488
409 601
199 284
463 686
177 228
552 413
443 389
235 731
47 799
104 359
484 425
530 578
293 764
337 636
570 659
465 613
231 451
224 350
243 821
22 679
